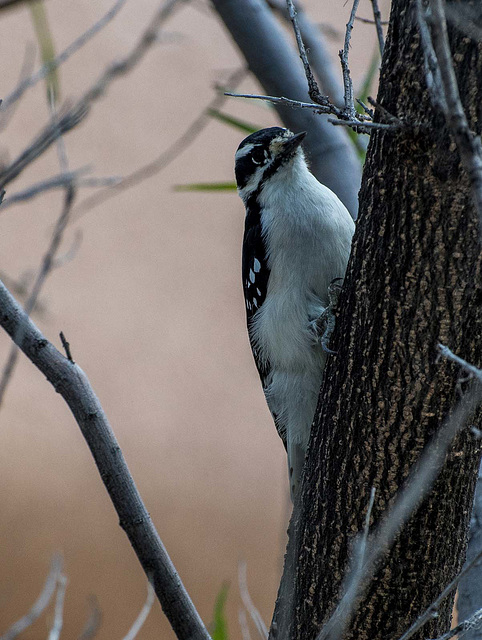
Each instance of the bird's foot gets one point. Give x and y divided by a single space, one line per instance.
324 325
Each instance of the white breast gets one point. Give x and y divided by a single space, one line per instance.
308 233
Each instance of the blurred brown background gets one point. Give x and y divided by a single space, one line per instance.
152 306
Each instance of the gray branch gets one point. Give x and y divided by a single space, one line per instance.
277 67
77 44
319 57
378 24
443 83
40 604
470 586
73 385
418 485
75 114
350 110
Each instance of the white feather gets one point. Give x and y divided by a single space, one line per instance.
308 233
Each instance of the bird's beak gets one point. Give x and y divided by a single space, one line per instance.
291 144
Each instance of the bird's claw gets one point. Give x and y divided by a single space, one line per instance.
324 325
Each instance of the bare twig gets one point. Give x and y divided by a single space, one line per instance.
321 61
431 611
282 100
40 604
141 618
356 124
463 17
66 346
165 158
63 56
385 114
60 181
472 623
44 271
58 621
79 110
4 4
378 23
313 89
73 385
71 252
62 124
350 111
93 621
243 623
25 71
417 486
443 84
362 125
362 546
473 371
248 603
370 21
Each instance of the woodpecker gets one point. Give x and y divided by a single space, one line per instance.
297 240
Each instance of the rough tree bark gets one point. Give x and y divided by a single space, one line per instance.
414 280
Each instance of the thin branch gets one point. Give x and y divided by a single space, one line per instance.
321 61
431 611
469 144
283 101
25 71
40 604
417 486
356 124
93 621
4 4
243 623
370 21
362 547
165 158
472 623
77 44
73 385
141 618
248 603
350 110
464 19
66 346
378 23
313 89
60 181
63 123
466 366
46 266
58 621
79 110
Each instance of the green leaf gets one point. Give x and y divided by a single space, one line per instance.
233 122
47 49
206 186
219 625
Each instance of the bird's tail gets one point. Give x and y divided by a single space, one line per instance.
296 460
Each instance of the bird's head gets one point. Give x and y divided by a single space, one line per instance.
262 154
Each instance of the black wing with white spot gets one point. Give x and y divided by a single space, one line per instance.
255 265
255 286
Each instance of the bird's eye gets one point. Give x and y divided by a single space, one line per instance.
258 156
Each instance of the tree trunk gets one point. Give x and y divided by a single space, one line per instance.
414 280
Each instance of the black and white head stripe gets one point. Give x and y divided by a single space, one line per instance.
261 154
